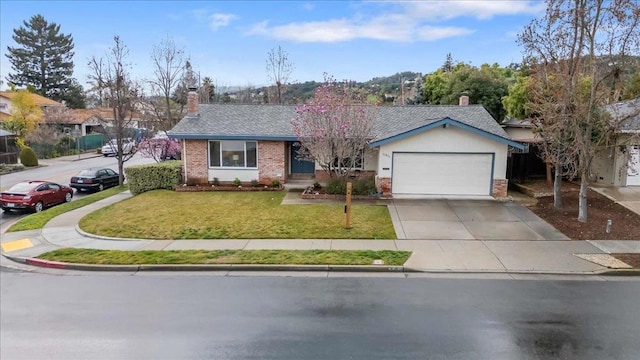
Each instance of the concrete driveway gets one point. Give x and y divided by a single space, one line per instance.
468 220
628 197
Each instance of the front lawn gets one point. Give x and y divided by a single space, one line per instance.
163 214
280 257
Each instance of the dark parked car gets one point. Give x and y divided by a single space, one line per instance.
34 195
94 179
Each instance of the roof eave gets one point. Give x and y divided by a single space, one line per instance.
231 137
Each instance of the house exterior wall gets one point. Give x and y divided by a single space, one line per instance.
195 160
5 105
441 140
609 167
272 157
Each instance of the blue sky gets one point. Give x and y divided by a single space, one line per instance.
229 40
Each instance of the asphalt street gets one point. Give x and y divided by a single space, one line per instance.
205 316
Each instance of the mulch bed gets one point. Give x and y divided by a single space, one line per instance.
626 224
196 188
631 259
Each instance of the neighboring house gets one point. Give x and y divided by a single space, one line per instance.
620 164
5 103
416 150
524 164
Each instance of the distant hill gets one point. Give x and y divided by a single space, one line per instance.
387 87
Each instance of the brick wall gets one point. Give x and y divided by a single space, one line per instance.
500 188
383 185
196 160
271 161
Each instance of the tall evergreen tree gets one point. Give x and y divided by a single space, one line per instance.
42 57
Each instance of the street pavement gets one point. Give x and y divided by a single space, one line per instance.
520 242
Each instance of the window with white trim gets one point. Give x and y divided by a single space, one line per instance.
234 154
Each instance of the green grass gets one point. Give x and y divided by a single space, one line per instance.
163 214
297 257
37 221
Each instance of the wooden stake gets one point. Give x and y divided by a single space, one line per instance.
348 206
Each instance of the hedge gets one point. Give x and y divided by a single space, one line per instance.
163 175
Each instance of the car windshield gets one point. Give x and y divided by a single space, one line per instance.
87 173
22 187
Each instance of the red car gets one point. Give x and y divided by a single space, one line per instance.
34 196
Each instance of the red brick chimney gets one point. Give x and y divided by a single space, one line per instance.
192 102
464 100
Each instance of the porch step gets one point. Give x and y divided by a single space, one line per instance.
298 184
293 177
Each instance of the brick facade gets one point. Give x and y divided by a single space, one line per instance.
196 162
500 188
383 185
271 161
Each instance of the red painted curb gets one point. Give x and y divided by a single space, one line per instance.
46 263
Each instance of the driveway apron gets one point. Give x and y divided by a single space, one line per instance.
468 220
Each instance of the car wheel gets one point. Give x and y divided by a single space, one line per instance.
100 187
68 197
6 210
39 207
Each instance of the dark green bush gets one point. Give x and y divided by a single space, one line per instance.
364 186
361 186
237 182
28 157
65 145
336 186
275 183
164 175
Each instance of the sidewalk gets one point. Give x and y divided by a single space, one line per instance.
449 256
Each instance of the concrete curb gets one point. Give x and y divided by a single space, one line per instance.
100 237
202 267
300 268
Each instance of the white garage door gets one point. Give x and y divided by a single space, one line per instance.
441 174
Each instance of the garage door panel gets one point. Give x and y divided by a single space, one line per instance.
442 174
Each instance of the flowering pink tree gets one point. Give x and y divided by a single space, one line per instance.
334 127
159 149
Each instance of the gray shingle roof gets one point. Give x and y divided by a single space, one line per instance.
629 111
274 121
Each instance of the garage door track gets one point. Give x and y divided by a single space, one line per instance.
468 220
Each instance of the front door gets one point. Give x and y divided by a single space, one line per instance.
633 170
300 166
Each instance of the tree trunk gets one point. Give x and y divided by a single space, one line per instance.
582 199
549 174
557 187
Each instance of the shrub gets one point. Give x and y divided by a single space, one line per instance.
164 175
65 145
215 182
99 150
275 183
364 186
237 182
28 157
254 183
361 186
336 186
316 185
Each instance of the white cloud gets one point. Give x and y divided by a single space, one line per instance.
411 21
308 6
397 28
479 9
219 20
